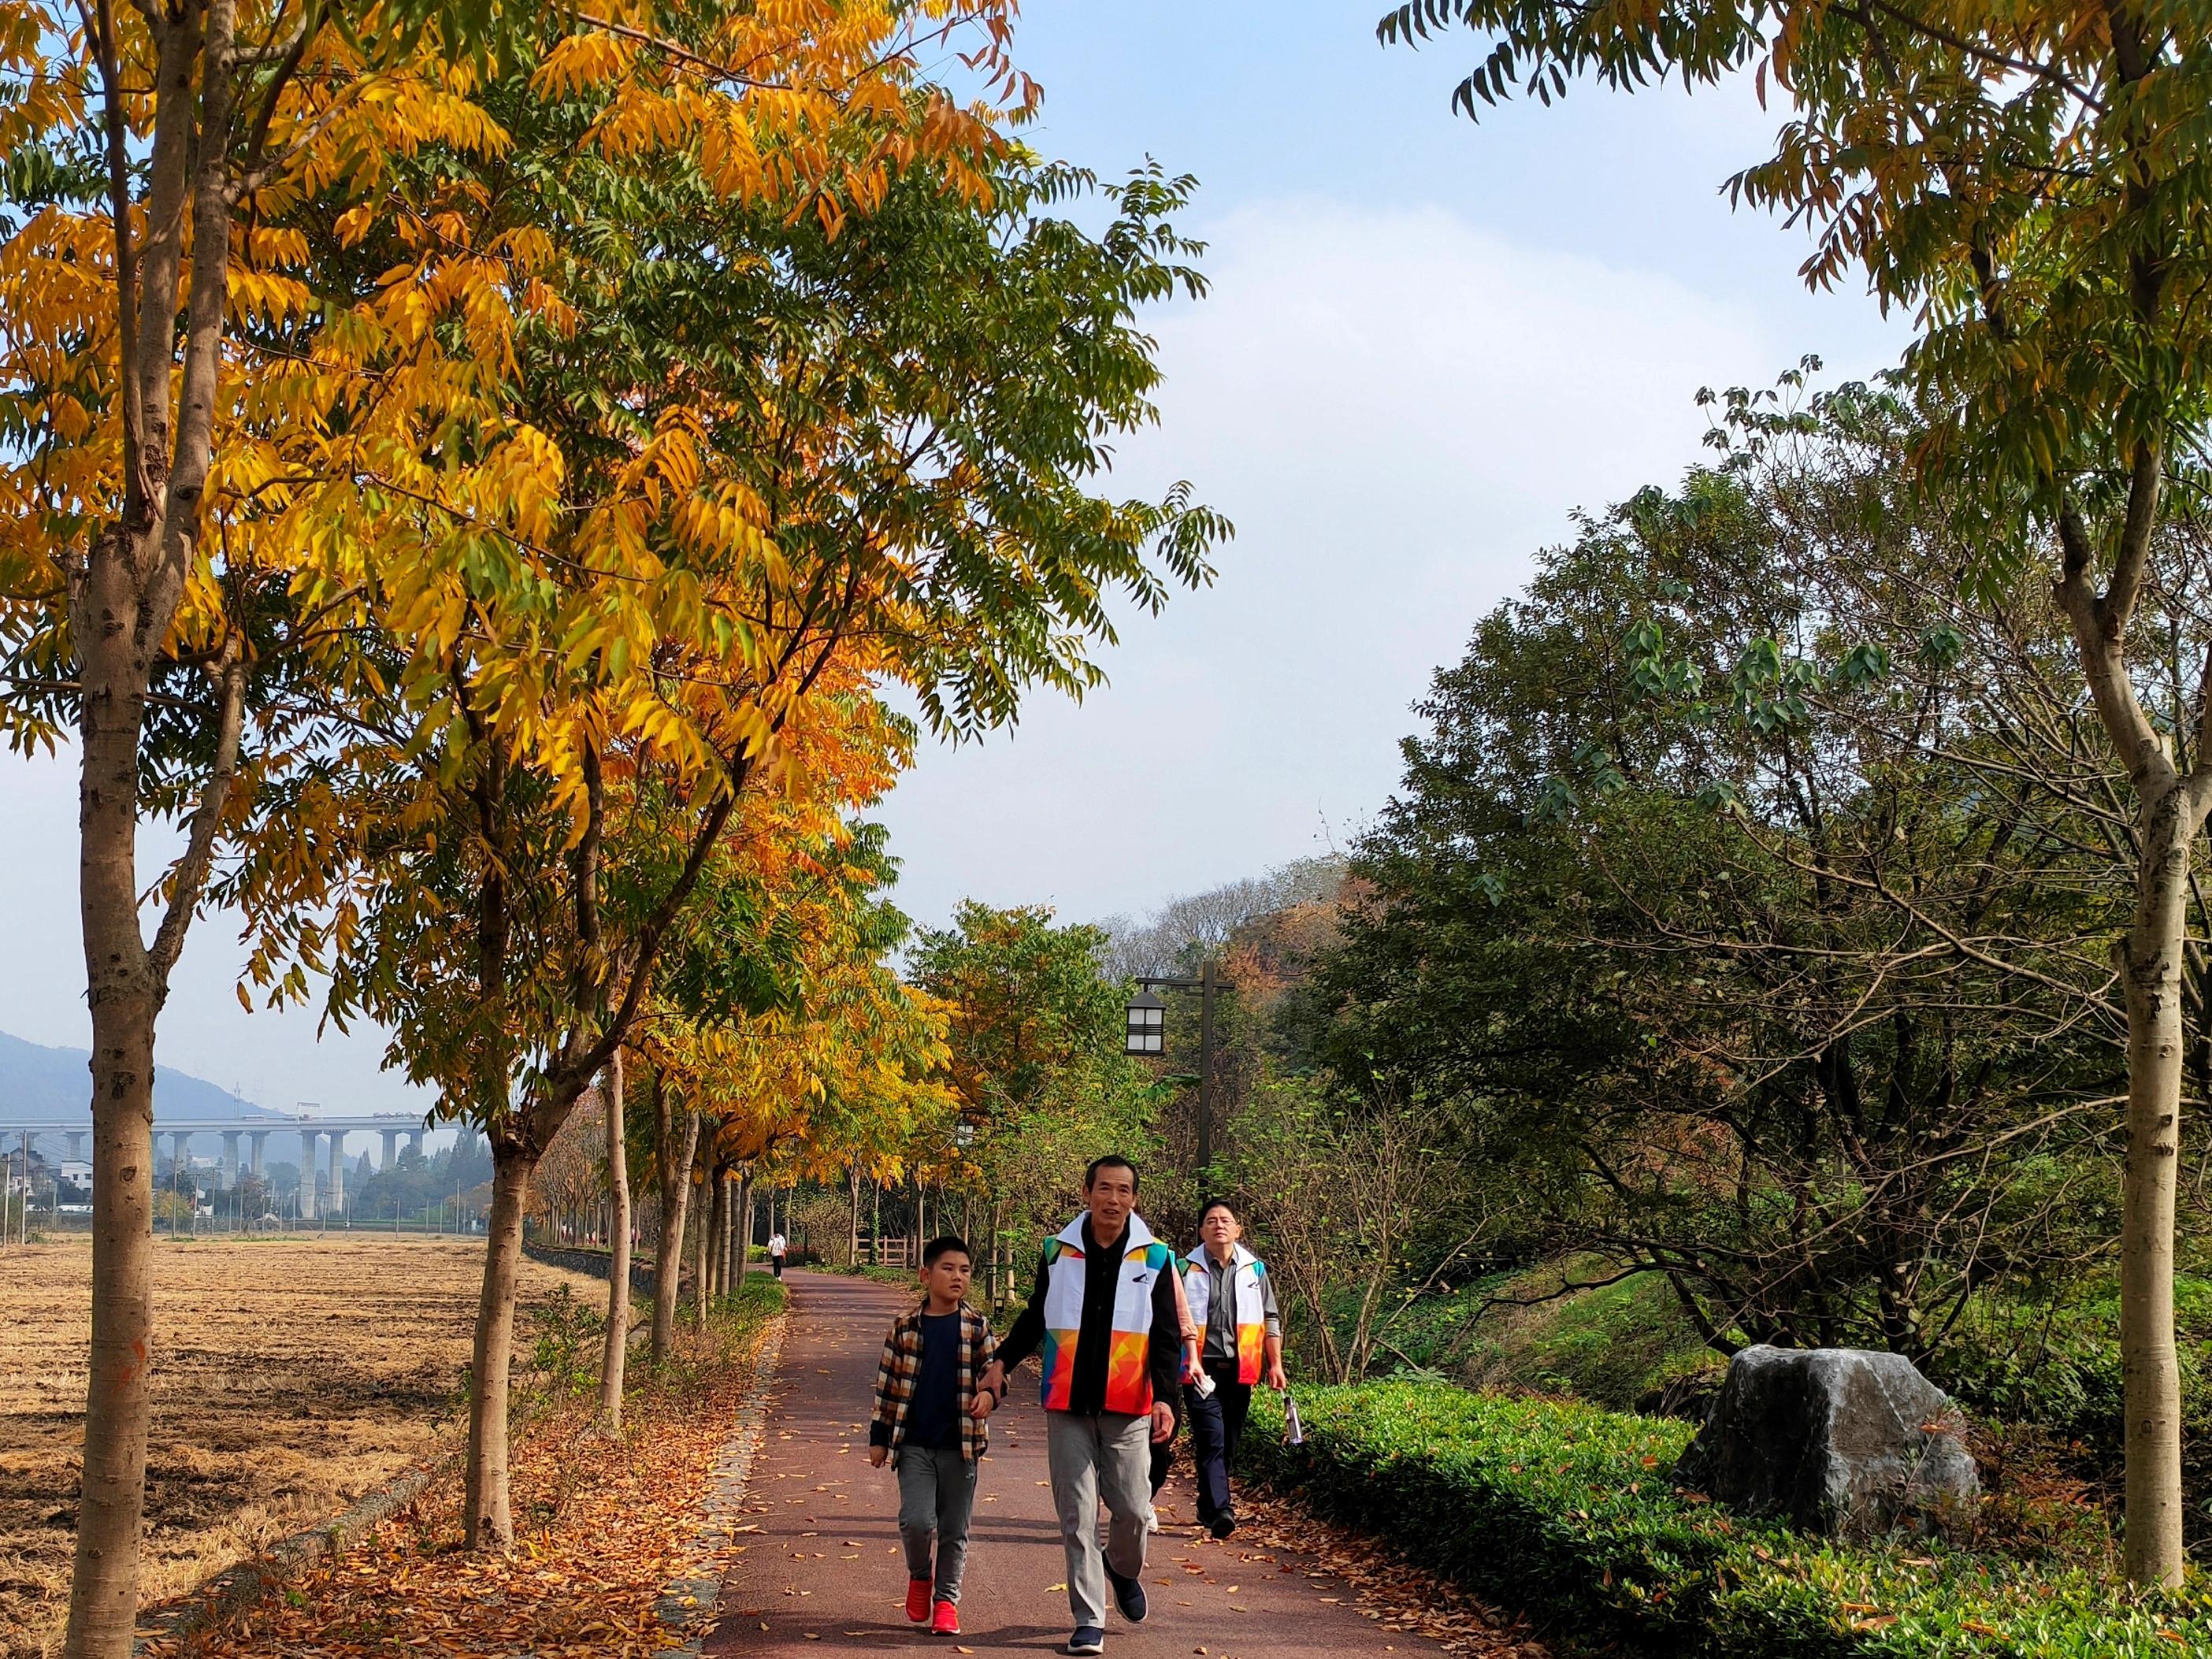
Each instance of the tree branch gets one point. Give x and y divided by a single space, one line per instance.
191 879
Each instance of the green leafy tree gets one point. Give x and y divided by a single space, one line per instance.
1745 907
1035 1033
2030 182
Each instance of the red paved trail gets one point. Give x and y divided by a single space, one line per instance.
824 1574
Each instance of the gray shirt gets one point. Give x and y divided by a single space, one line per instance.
1221 1308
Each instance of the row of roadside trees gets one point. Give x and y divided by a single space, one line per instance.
470 469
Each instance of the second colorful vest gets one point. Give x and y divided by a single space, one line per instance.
1251 1317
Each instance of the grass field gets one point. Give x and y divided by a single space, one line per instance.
292 1375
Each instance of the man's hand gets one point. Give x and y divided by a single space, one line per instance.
1163 1423
994 1377
985 1403
1277 1379
876 1456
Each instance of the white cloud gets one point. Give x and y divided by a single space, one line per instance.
1397 409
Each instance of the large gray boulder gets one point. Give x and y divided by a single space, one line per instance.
1836 1441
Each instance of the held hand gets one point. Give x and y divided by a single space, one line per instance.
876 1456
994 1377
985 1403
1277 1379
1163 1423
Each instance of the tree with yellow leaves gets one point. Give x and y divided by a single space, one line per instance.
162 161
635 551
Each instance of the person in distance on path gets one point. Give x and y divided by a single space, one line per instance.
1105 1319
1233 1301
777 1245
931 1409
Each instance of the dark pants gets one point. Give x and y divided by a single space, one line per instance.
776 1263
1216 1424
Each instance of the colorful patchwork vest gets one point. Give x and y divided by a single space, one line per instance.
1245 1272
1128 1370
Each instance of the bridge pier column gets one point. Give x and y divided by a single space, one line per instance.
334 1192
255 1140
415 1141
309 1208
75 1138
390 1150
230 1160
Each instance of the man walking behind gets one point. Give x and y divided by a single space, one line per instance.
1105 1315
777 1245
1233 1301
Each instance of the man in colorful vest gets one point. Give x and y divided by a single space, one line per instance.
1106 1319
1232 1300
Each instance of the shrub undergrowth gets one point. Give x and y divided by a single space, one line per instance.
1571 1513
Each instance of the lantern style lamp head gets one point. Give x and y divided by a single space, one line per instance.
1147 1033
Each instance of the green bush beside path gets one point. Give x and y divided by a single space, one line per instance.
1571 1513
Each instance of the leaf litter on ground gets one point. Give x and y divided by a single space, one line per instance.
1387 1588
602 1526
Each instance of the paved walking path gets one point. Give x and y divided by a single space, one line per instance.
824 1572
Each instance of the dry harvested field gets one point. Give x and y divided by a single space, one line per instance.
292 1376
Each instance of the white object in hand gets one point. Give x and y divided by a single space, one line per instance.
1202 1385
1294 1432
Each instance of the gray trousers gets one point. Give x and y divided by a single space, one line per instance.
937 1494
1108 1457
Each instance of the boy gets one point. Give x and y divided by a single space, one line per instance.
931 1409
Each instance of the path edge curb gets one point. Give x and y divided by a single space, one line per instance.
689 1607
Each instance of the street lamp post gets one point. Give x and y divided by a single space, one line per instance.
1146 1036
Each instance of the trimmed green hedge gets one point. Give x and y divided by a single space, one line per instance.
1571 1512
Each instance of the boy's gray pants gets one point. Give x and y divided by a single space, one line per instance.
937 1494
1108 1456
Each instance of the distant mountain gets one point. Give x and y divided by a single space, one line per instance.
43 1086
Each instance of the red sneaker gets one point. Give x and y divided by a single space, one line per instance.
917 1599
946 1622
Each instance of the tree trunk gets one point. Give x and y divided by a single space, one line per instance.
853 1224
713 1242
674 1189
2151 967
104 1588
618 1351
727 1238
700 1265
732 1246
486 1522
744 1240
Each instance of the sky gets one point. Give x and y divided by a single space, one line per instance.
1427 342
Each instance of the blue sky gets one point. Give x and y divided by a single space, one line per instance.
1427 342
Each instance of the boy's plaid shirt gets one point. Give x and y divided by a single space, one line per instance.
901 1364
